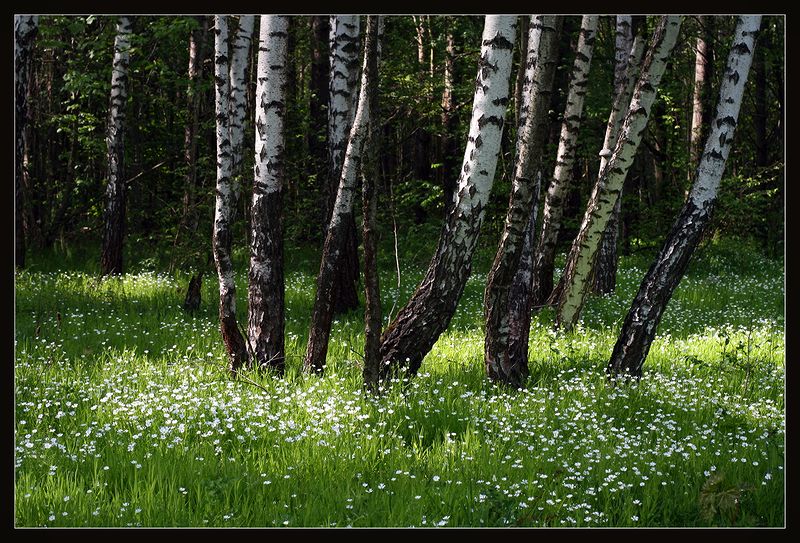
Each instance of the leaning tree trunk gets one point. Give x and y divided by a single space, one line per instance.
344 36
554 201
335 247
639 327
25 29
369 172
114 230
427 314
628 55
540 67
266 303
240 52
580 262
225 203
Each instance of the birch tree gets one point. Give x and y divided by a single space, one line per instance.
655 291
627 61
334 249
240 52
344 46
581 259
626 75
539 70
553 210
25 30
225 202
114 217
266 283
427 314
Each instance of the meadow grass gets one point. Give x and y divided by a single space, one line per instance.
124 415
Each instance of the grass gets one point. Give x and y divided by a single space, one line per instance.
125 417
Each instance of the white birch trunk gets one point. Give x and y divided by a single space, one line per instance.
577 273
237 105
561 182
639 327
266 284
225 202
344 36
533 123
427 314
111 258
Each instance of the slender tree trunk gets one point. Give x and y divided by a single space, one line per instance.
369 172
25 30
318 113
702 84
344 38
639 327
427 314
240 54
554 202
760 116
540 67
225 203
266 290
114 232
448 143
628 55
582 256
334 250
519 85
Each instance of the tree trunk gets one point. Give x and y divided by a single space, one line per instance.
25 30
580 262
702 88
334 250
238 89
114 232
760 114
540 67
266 284
639 327
318 113
344 37
427 314
628 58
448 143
225 203
369 173
554 202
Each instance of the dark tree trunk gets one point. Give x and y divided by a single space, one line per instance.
639 327
191 302
703 68
114 232
266 285
369 172
25 29
539 67
428 313
318 113
448 143
760 117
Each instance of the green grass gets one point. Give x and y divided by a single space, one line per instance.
125 417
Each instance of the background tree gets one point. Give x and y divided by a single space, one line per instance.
266 283
580 261
641 322
114 233
427 314
25 28
539 67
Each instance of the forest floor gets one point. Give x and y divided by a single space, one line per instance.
124 415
